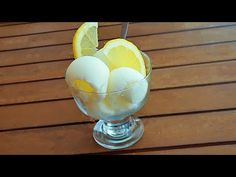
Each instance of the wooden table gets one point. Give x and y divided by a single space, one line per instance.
191 108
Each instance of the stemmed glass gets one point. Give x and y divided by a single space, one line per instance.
117 126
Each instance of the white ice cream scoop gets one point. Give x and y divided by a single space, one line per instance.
87 76
90 72
127 78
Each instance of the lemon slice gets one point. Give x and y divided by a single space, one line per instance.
85 40
121 53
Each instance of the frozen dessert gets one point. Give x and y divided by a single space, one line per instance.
107 83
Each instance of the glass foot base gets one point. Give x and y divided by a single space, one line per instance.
118 134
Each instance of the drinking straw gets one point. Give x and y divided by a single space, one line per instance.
124 30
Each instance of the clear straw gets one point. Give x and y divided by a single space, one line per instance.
124 30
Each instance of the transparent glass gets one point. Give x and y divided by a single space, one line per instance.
117 126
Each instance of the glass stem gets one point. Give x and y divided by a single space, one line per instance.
119 129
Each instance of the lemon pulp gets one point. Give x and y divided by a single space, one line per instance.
121 53
85 40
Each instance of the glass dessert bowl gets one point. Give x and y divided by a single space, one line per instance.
117 127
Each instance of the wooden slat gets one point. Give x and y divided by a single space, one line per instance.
36 40
194 75
147 28
10 23
208 150
35 91
187 38
159 103
190 100
36 55
143 42
41 114
33 28
33 72
160 58
191 55
161 132
165 27
162 78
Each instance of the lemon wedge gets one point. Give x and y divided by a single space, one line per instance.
85 40
121 53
